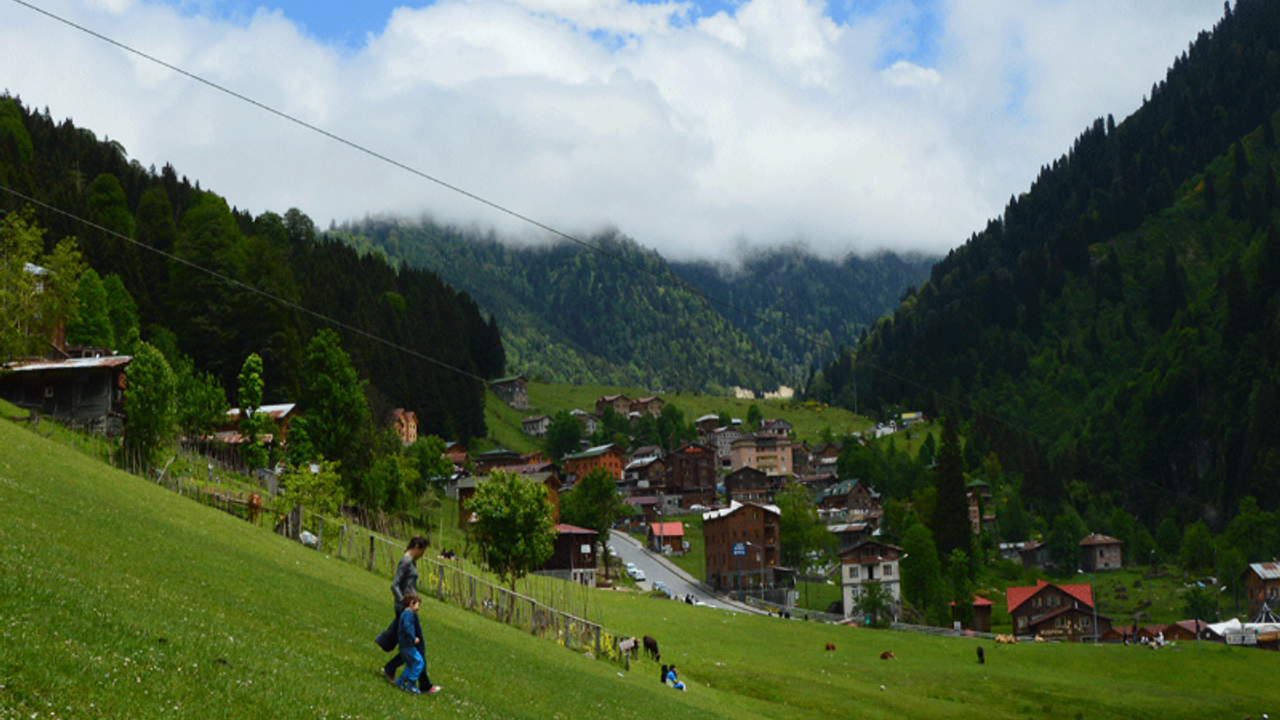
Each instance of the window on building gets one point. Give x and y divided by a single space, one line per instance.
1060 622
888 570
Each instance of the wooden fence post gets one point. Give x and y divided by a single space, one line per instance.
319 532
342 537
373 549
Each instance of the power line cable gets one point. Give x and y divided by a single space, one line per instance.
242 285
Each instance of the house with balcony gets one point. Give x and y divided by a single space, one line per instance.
868 562
1062 612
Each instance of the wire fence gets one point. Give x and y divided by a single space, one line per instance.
350 541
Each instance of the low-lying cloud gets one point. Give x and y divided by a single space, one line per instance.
691 133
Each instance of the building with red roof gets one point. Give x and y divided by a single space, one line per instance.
667 536
1055 611
981 621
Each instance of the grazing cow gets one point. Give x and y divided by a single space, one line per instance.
888 655
651 648
831 646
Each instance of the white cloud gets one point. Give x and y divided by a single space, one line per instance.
770 124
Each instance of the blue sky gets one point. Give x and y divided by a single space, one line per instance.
695 128
347 24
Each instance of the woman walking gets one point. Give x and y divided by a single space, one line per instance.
405 583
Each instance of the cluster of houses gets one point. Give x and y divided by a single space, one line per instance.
728 475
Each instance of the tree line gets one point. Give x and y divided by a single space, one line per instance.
139 258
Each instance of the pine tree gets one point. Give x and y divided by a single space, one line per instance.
951 529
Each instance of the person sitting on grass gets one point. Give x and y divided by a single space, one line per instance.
673 678
410 648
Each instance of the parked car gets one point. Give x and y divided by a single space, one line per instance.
637 575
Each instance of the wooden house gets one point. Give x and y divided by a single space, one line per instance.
1262 587
747 484
573 556
497 459
753 530
691 475
1055 611
85 391
466 489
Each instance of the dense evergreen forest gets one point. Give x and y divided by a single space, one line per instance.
621 314
1113 340
439 346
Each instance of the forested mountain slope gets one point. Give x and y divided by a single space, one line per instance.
181 235
623 315
1114 336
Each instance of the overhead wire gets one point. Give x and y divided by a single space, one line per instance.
240 284
669 278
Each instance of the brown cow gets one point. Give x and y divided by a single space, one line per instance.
888 655
651 648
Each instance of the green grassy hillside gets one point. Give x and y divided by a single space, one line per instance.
121 600
810 419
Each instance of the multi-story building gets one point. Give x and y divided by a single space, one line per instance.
741 545
609 457
869 562
769 453
691 475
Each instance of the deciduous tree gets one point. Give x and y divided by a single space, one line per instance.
149 404
594 504
512 524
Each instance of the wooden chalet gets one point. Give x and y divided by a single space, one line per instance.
573 556
691 475
747 484
1055 611
466 489
648 406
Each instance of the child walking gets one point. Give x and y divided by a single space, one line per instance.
411 647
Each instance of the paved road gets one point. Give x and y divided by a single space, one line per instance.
660 569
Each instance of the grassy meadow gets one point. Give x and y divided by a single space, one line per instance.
119 599
810 419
